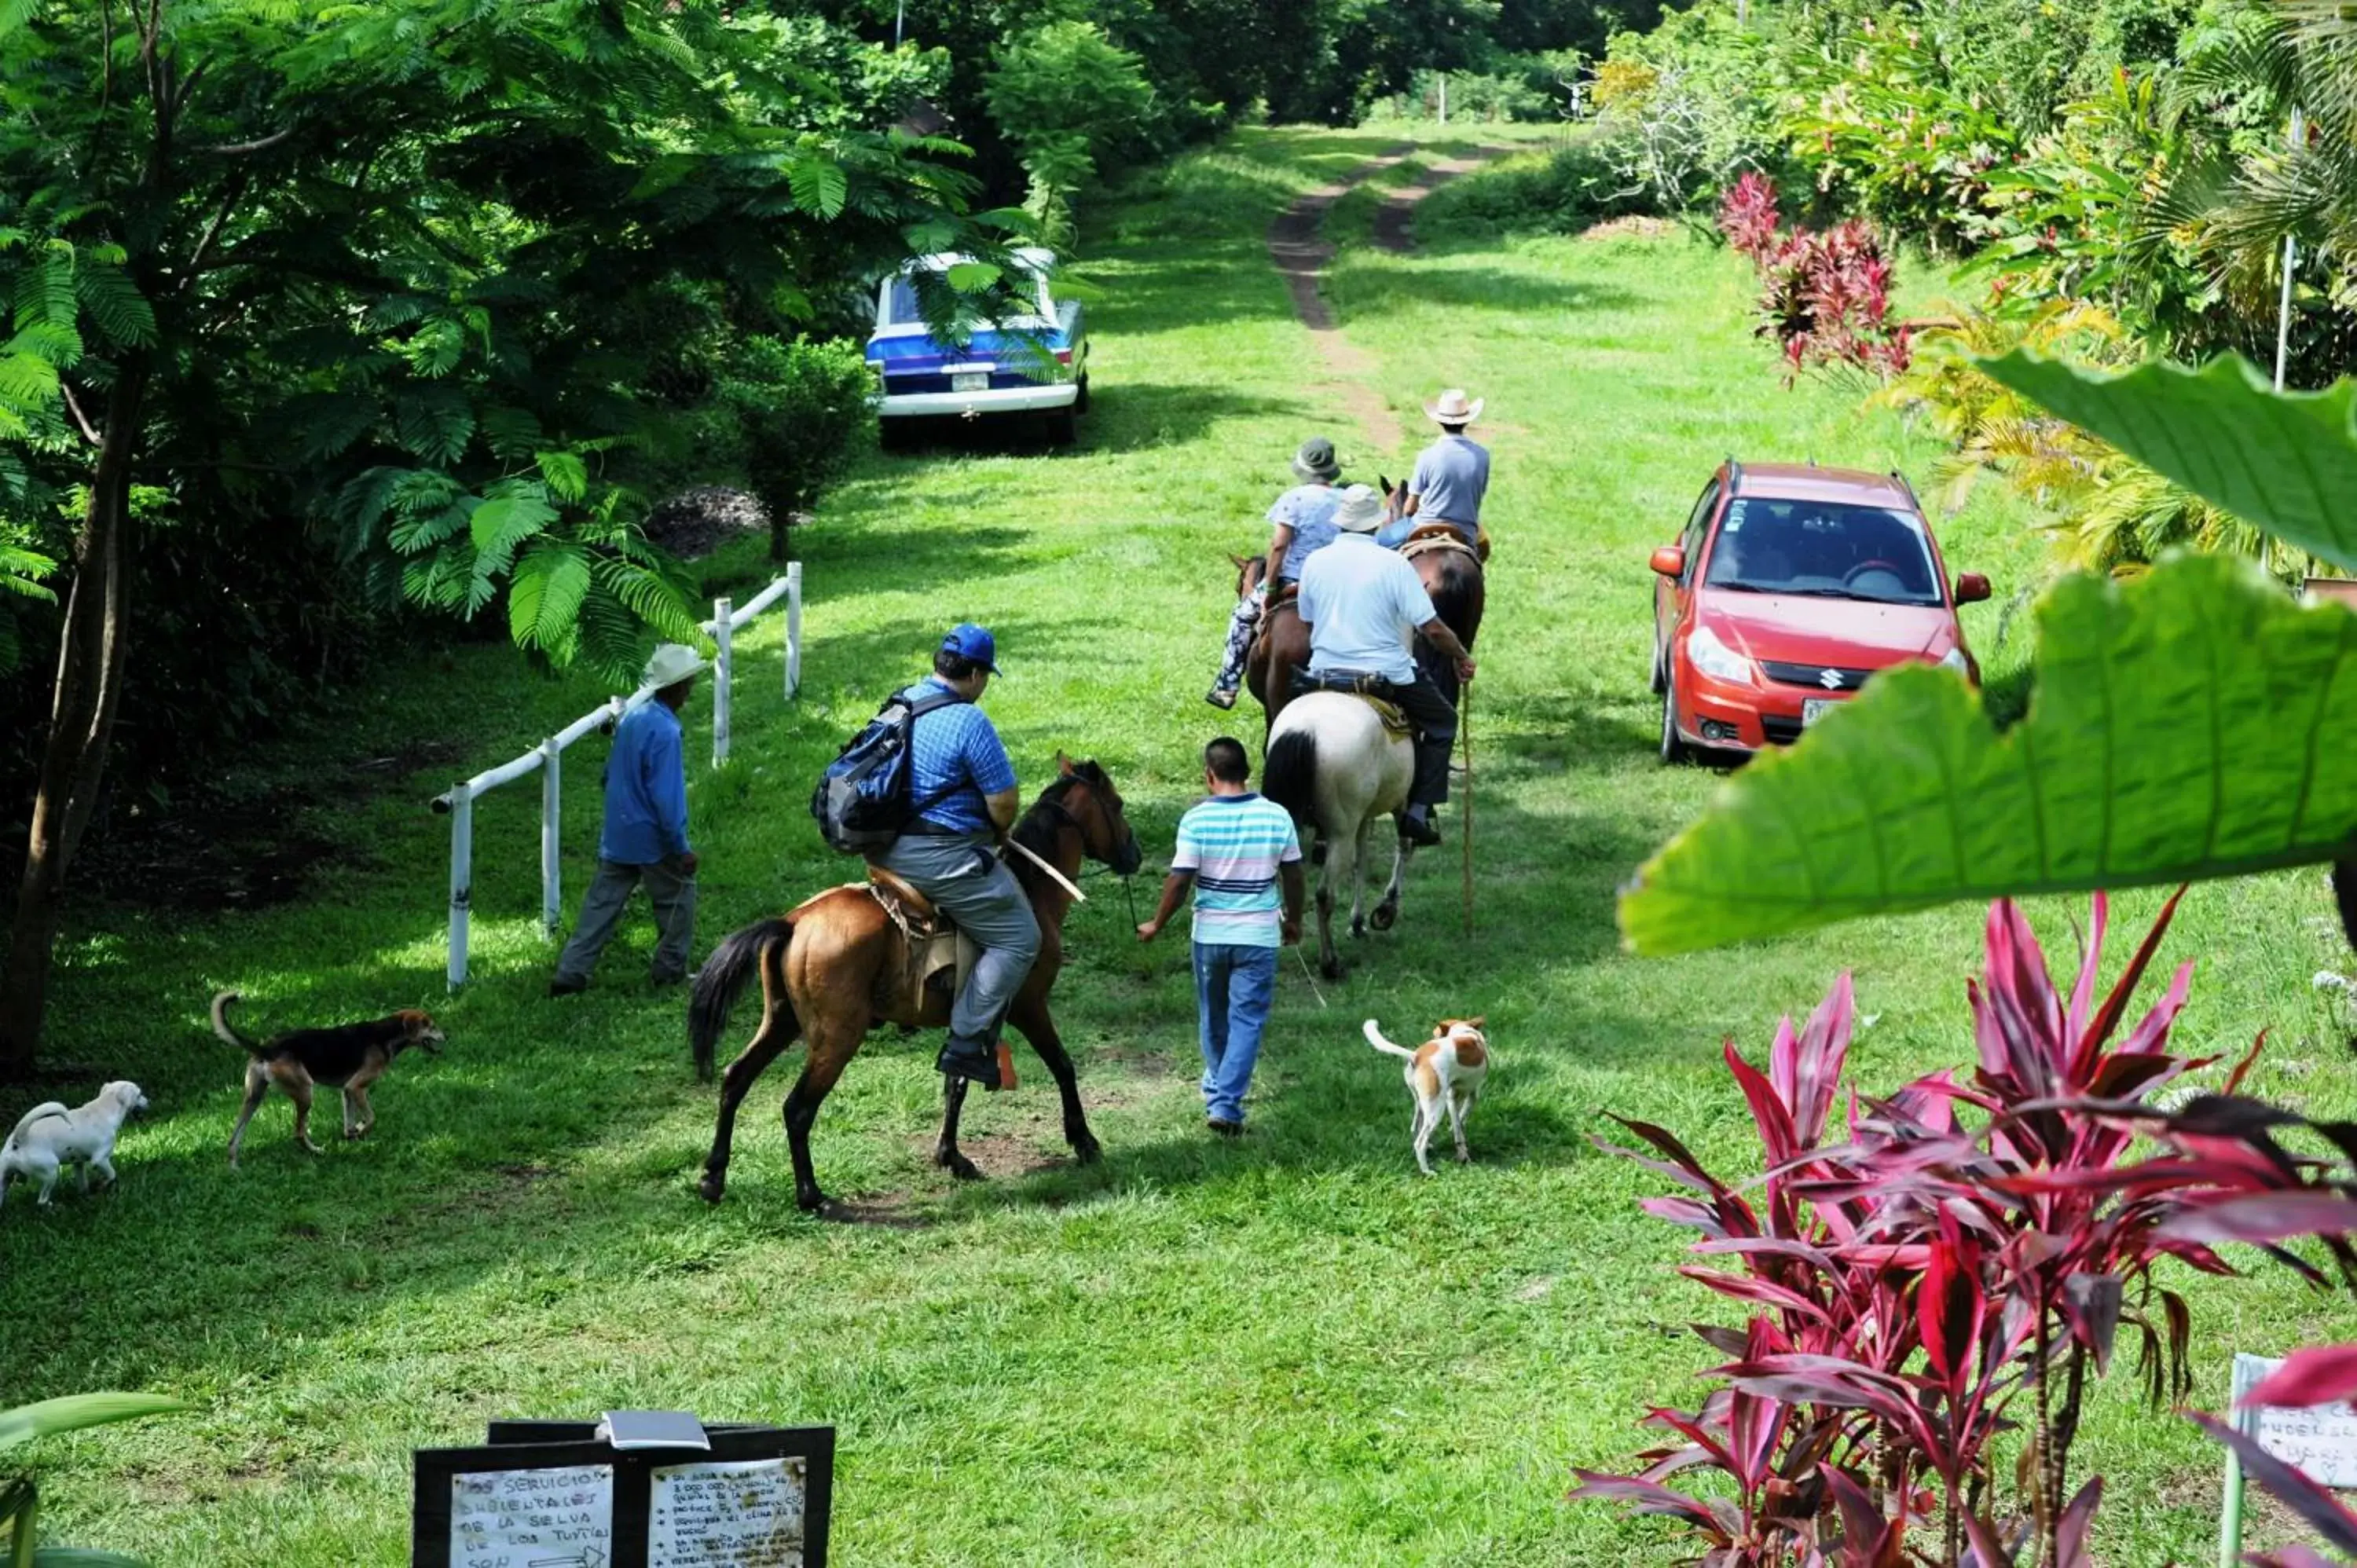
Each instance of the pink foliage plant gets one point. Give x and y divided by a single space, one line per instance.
1927 1271
1824 293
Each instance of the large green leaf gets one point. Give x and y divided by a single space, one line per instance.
2287 464
2193 722
74 1411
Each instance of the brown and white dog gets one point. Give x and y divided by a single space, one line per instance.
348 1058
1446 1070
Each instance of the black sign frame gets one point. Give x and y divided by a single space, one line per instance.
564 1444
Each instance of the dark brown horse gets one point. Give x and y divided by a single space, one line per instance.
1280 645
1453 579
834 968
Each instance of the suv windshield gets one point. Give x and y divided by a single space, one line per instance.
1766 545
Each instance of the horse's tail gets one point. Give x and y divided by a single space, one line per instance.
723 979
1289 777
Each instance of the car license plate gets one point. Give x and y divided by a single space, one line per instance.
1814 708
969 380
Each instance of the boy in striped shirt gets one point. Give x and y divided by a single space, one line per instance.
1234 850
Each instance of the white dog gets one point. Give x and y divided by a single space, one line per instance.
51 1137
1446 1070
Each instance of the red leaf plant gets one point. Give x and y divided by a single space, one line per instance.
1949 1270
2254 1190
1825 295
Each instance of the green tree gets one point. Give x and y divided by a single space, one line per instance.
291 262
1066 96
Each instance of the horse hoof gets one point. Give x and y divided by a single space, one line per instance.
1331 969
1358 927
1384 917
958 1166
811 1201
1086 1150
710 1188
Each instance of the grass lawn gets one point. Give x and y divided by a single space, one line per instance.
1288 1351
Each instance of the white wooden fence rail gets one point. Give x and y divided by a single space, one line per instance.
458 800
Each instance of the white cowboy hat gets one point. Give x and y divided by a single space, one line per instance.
1360 509
671 663
1454 408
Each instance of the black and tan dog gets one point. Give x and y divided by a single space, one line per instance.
348 1058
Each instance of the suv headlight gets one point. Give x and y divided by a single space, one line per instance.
1954 659
1714 659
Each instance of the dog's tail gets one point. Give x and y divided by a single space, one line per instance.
47 1108
225 1030
1289 777
724 977
1375 1038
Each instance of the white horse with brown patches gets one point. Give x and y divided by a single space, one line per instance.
1446 1070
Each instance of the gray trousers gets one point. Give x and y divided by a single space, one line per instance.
673 892
974 888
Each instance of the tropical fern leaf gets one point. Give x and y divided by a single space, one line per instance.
123 315
566 475
434 422
818 183
499 527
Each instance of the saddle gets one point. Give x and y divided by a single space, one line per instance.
932 947
1395 718
1443 537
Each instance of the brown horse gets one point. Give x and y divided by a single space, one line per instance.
833 969
1453 579
1280 645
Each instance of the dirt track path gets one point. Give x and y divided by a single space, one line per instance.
1297 246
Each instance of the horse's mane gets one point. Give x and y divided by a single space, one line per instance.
1036 830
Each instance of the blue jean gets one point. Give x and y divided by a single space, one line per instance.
1233 988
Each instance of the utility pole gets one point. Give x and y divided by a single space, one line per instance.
899 20
2290 257
1444 98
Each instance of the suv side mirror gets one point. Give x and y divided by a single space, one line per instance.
1669 561
1972 589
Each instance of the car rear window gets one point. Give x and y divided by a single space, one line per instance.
900 307
1825 549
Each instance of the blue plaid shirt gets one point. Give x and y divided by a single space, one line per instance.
956 760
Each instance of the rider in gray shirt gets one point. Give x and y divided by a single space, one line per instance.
1451 475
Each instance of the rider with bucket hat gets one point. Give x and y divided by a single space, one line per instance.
1303 520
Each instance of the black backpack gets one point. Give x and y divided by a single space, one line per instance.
862 801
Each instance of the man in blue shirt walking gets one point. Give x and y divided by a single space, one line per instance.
645 835
962 788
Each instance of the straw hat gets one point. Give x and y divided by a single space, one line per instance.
671 663
1360 509
1454 408
1316 462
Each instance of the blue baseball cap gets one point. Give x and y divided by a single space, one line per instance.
974 644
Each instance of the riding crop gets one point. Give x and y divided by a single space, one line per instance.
1465 730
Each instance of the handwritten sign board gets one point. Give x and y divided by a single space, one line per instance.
552 1495
547 1519
2321 1440
745 1514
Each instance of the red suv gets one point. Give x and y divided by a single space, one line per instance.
1789 586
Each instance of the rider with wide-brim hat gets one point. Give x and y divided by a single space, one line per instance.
1302 523
1364 606
1451 475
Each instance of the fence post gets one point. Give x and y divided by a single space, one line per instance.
552 801
462 857
793 629
721 610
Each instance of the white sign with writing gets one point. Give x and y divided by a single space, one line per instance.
533 1519
2321 1439
730 1514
